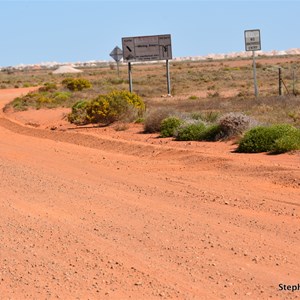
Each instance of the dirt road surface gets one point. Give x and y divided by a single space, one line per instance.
96 213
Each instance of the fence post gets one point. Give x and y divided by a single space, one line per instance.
294 80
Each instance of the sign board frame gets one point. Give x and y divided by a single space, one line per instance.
252 40
147 48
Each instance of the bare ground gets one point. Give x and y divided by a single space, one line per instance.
97 213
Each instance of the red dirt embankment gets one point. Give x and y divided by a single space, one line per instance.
103 214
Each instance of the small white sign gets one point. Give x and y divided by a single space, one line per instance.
252 40
147 48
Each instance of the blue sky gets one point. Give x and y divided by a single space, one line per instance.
69 31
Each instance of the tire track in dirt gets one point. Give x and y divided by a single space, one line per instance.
97 218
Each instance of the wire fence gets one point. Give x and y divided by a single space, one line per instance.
288 82
278 78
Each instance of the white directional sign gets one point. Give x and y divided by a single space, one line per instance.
147 48
116 54
252 40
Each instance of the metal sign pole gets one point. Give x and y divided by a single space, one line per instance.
254 75
253 43
118 69
279 82
168 77
130 77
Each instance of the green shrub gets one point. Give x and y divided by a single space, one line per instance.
76 84
42 99
287 143
19 104
190 132
198 132
78 115
264 139
48 87
210 133
61 96
24 102
169 126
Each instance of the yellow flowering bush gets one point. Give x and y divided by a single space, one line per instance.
115 106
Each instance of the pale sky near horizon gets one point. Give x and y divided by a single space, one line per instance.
69 31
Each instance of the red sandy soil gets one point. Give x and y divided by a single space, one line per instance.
97 213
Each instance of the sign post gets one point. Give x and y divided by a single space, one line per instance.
130 77
148 48
168 78
253 43
117 55
254 75
279 82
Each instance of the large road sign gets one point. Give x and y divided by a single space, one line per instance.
252 40
147 48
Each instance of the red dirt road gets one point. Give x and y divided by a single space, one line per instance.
104 214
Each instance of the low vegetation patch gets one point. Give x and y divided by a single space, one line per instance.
190 132
51 95
235 124
211 133
287 143
106 109
78 116
197 131
154 118
76 84
169 126
41 99
191 114
275 139
48 87
208 116
205 126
